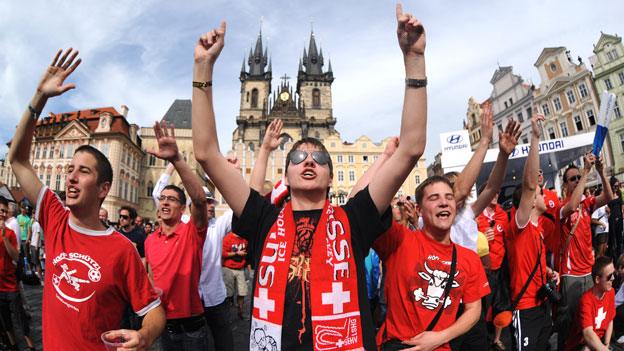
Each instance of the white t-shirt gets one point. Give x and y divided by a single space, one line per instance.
464 230
12 224
36 234
601 215
211 286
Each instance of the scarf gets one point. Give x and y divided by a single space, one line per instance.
336 321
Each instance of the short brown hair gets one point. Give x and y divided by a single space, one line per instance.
311 141
420 191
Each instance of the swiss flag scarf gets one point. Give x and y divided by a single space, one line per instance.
336 321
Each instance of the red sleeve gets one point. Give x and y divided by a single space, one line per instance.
50 211
589 204
388 242
200 232
586 311
140 293
226 246
477 284
12 237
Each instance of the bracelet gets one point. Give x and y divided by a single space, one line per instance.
416 83
34 115
202 84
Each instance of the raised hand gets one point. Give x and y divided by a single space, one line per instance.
487 124
588 161
52 81
599 165
391 146
210 44
536 128
167 146
410 32
508 139
272 135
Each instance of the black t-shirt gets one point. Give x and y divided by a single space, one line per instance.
366 225
137 236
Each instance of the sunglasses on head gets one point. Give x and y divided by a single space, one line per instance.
574 178
298 156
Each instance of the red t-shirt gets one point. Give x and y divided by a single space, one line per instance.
8 279
551 199
233 243
592 312
497 246
523 246
175 261
91 276
416 267
578 258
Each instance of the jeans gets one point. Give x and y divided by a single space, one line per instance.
219 322
184 340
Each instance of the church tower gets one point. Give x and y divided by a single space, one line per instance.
255 78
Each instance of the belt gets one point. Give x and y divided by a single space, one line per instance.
182 325
394 345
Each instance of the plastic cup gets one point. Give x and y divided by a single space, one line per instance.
113 339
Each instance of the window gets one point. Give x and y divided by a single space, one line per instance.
316 98
44 154
578 123
417 179
151 160
609 56
551 133
37 152
510 102
545 109
58 182
48 177
553 67
365 158
375 158
254 98
70 150
506 104
583 91
125 190
520 116
571 97
590 117
557 103
339 159
247 97
62 151
564 129
622 141
616 110
51 154
150 189
350 158
104 149
621 76
608 84
352 176
529 112
340 176
525 140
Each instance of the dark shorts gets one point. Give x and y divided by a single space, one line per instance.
600 238
531 328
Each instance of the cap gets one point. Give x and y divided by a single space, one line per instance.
209 195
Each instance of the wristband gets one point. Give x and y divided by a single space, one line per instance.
34 115
415 83
202 84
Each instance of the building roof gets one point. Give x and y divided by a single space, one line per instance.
90 114
606 38
179 114
500 73
547 52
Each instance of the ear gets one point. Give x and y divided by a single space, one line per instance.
418 209
104 189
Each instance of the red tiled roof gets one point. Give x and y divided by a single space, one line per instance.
90 114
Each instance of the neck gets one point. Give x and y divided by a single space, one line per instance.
86 219
129 227
168 226
441 236
598 292
307 200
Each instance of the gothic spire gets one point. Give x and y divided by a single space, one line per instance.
258 58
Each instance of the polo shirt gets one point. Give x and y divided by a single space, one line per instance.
175 261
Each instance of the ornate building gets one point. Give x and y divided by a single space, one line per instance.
608 66
511 99
57 136
472 123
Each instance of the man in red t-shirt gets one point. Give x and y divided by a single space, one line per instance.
234 254
9 291
527 255
92 272
417 267
174 251
576 256
593 325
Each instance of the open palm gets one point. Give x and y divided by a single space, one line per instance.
272 136
53 80
167 145
509 138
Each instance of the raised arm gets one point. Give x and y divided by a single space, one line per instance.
162 182
270 142
393 144
412 41
51 84
607 192
507 142
205 142
531 172
168 150
468 176
575 198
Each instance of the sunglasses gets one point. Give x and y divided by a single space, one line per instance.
124 216
611 276
574 178
168 198
298 156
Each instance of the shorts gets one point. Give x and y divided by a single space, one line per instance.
234 279
531 328
600 238
34 256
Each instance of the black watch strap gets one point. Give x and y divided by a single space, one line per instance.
416 83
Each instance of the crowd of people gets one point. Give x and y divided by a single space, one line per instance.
438 270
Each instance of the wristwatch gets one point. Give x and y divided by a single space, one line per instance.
415 83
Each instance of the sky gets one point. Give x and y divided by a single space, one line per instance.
140 53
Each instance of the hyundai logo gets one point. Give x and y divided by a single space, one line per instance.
454 139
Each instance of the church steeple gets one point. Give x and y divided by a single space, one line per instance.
312 61
257 61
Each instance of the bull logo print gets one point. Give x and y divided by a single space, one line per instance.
437 281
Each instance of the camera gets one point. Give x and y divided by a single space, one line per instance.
549 290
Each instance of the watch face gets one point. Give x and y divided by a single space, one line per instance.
284 96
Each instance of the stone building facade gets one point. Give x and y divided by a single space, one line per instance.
511 99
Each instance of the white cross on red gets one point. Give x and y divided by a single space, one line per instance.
263 303
336 297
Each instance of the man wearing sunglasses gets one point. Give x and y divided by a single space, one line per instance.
130 230
310 288
576 257
593 325
174 251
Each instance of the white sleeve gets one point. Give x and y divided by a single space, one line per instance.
162 182
464 230
224 224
